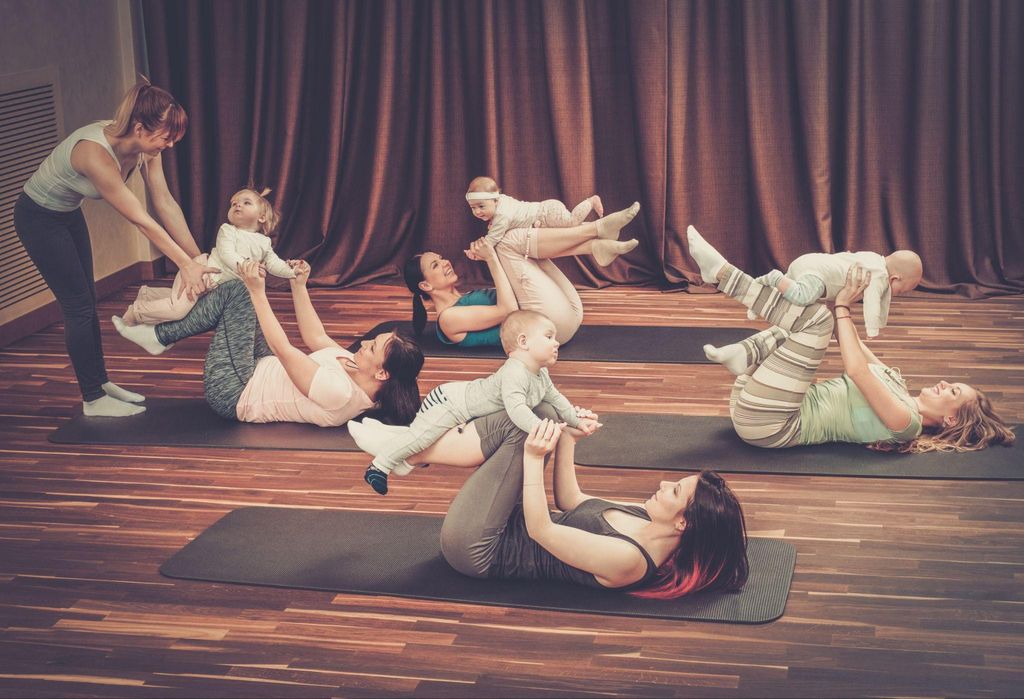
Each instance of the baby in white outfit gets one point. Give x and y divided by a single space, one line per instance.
820 275
246 236
503 214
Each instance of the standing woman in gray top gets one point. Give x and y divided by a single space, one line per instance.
687 537
94 162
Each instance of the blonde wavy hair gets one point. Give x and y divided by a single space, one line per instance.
977 426
271 216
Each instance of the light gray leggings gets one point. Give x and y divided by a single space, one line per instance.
237 344
479 514
783 360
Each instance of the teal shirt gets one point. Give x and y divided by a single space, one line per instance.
836 411
476 338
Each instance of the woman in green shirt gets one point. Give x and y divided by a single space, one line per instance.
775 402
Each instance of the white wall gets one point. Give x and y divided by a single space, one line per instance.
93 49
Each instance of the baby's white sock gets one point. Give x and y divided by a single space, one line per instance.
123 394
733 357
107 406
142 335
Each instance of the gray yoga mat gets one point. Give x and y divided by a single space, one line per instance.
594 343
681 442
398 554
177 422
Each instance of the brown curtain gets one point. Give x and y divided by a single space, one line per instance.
776 128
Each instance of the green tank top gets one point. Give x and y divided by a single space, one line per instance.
836 411
491 337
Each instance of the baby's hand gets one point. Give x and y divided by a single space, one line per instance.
584 412
480 250
301 269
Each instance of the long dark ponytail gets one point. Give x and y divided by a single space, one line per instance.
398 398
413 274
712 552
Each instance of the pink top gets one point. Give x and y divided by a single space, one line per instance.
334 398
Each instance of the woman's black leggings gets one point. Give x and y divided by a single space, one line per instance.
58 243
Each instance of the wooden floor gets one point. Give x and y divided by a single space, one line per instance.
908 588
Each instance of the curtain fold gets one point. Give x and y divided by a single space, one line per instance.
776 128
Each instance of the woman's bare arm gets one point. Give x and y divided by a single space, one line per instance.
893 412
297 364
613 561
95 163
311 328
167 207
458 320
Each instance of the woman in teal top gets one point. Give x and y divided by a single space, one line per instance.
491 337
473 319
467 320
775 402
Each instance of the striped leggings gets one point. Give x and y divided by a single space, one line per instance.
782 360
237 344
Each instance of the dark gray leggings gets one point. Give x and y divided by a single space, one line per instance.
58 243
479 514
237 344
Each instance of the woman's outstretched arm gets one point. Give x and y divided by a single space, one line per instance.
613 561
310 327
893 412
568 494
463 319
92 161
300 368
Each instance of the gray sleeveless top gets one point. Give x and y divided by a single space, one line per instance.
56 185
519 556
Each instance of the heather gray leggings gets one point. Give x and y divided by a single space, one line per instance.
479 514
237 344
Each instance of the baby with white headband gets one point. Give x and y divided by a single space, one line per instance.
503 214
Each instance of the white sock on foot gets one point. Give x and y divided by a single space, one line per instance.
122 394
733 357
704 254
609 226
106 406
142 335
373 437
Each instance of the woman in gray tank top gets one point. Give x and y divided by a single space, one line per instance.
688 536
94 162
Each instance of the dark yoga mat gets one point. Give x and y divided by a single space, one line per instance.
680 442
595 343
176 422
398 554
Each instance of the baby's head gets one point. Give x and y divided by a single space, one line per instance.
530 336
482 197
252 211
904 269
